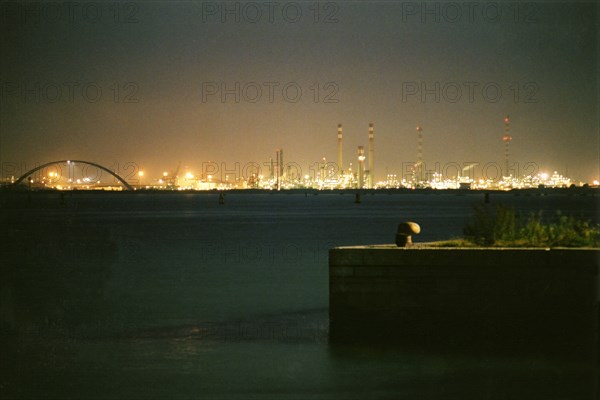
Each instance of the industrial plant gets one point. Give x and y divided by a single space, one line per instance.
276 174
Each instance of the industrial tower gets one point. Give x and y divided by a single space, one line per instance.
279 163
361 166
419 163
371 160
506 139
281 171
340 161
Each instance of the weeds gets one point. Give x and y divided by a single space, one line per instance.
501 226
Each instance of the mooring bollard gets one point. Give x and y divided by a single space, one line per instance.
405 230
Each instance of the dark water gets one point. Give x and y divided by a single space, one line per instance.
176 296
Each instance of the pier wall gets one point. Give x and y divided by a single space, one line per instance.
464 295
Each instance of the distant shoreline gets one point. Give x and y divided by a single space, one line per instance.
579 190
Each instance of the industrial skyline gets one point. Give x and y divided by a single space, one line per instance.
277 174
164 83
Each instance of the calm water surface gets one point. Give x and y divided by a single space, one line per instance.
176 296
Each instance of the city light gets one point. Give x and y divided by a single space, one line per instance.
325 177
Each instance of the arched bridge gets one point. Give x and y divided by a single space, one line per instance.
28 173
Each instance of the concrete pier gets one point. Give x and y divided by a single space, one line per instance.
501 297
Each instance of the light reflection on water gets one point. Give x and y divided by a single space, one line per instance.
192 368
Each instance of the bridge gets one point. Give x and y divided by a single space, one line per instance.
30 172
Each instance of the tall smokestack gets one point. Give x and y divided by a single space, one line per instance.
277 166
371 159
340 160
419 167
281 163
361 166
506 138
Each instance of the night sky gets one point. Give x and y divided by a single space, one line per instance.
156 63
